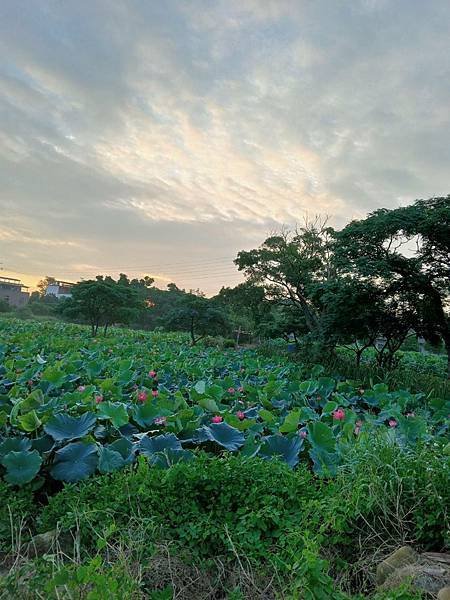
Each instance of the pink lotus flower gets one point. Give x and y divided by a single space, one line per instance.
217 419
160 421
154 393
339 414
152 374
81 388
241 390
98 399
240 415
142 396
231 390
357 430
392 423
303 433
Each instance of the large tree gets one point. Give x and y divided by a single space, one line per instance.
293 268
407 251
102 302
198 316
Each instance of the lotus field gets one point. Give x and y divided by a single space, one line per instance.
72 405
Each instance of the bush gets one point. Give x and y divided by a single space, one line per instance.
209 507
4 306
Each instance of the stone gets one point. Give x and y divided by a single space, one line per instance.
400 558
48 543
444 594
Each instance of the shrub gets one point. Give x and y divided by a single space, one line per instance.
209 507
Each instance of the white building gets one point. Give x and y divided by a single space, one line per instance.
59 289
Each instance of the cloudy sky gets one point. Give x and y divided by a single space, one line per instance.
163 137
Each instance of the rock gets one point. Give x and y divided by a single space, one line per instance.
429 572
444 594
398 559
48 543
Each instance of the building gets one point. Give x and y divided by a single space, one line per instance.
59 289
11 290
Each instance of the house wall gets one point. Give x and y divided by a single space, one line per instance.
13 295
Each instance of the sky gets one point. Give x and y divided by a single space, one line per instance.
161 138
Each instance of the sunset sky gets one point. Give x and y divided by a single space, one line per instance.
161 138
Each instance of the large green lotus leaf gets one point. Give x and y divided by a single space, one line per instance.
309 387
209 404
291 422
115 411
65 428
159 443
251 446
280 446
200 387
32 401
75 462
21 467
326 386
224 435
110 460
411 430
124 447
145 414
14 444
43 444
215 391
169 457
324 463
29 422
321 436
54 376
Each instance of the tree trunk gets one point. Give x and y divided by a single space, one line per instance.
192 332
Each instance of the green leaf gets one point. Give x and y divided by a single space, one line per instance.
266 416
75 462
150 445
280 446
291 422
320 435
115 411
64 427
145 414
14 444
223 434
54 376
110 460
169 457
208 404
21 467
29 422
200 387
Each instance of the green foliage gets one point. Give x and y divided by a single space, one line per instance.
72 405
102 302
15 515
208 508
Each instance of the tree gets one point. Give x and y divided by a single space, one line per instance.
406 252
197 315
44 283
102 302
293 268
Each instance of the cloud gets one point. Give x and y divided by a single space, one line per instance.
178 131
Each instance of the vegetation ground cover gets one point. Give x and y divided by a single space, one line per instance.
260 471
